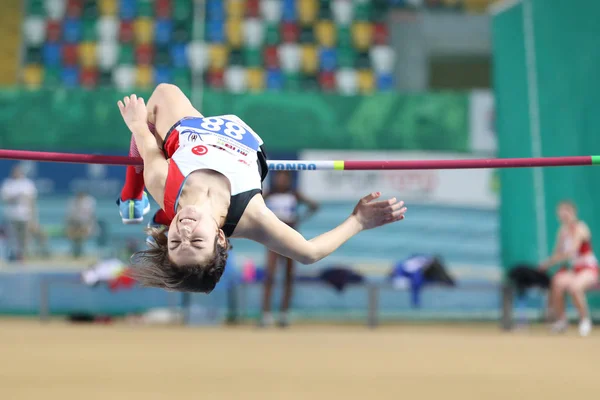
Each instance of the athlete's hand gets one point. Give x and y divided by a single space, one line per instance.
133 110
371 214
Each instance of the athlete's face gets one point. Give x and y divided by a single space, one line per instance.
566 213
192 236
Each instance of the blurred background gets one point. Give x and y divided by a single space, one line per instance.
317 79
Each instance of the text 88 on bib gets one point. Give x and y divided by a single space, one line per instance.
227 132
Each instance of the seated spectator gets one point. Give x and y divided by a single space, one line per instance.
573 250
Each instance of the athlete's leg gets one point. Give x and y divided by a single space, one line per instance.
166 107
270 269
133 202
560 283
134 177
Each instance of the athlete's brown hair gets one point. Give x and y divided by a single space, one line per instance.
153 267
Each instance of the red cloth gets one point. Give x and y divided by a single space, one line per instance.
123 281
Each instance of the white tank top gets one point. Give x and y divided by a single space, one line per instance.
224 144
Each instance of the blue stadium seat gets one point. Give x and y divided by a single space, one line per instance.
72 30
327 59
215 10
163 75
385 81
179 56
128 9
215 31
288 12
52 54
70 77
274 79
162 31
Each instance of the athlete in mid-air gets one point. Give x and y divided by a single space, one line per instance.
206 174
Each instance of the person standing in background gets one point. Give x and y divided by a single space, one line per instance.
19 195
283 200
81 221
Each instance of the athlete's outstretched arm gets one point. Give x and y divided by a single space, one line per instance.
263 226
134 113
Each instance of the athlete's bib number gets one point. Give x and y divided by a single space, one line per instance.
226 131
232 129
229 131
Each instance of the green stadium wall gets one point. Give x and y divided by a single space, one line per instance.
75 120
546 62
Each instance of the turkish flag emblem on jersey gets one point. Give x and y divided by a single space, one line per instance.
200 150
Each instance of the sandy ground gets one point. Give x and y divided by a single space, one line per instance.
60 361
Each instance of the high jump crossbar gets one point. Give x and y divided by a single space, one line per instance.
302 165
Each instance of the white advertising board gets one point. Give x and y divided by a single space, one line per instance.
468 188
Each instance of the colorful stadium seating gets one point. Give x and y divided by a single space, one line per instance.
243 45
256 79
